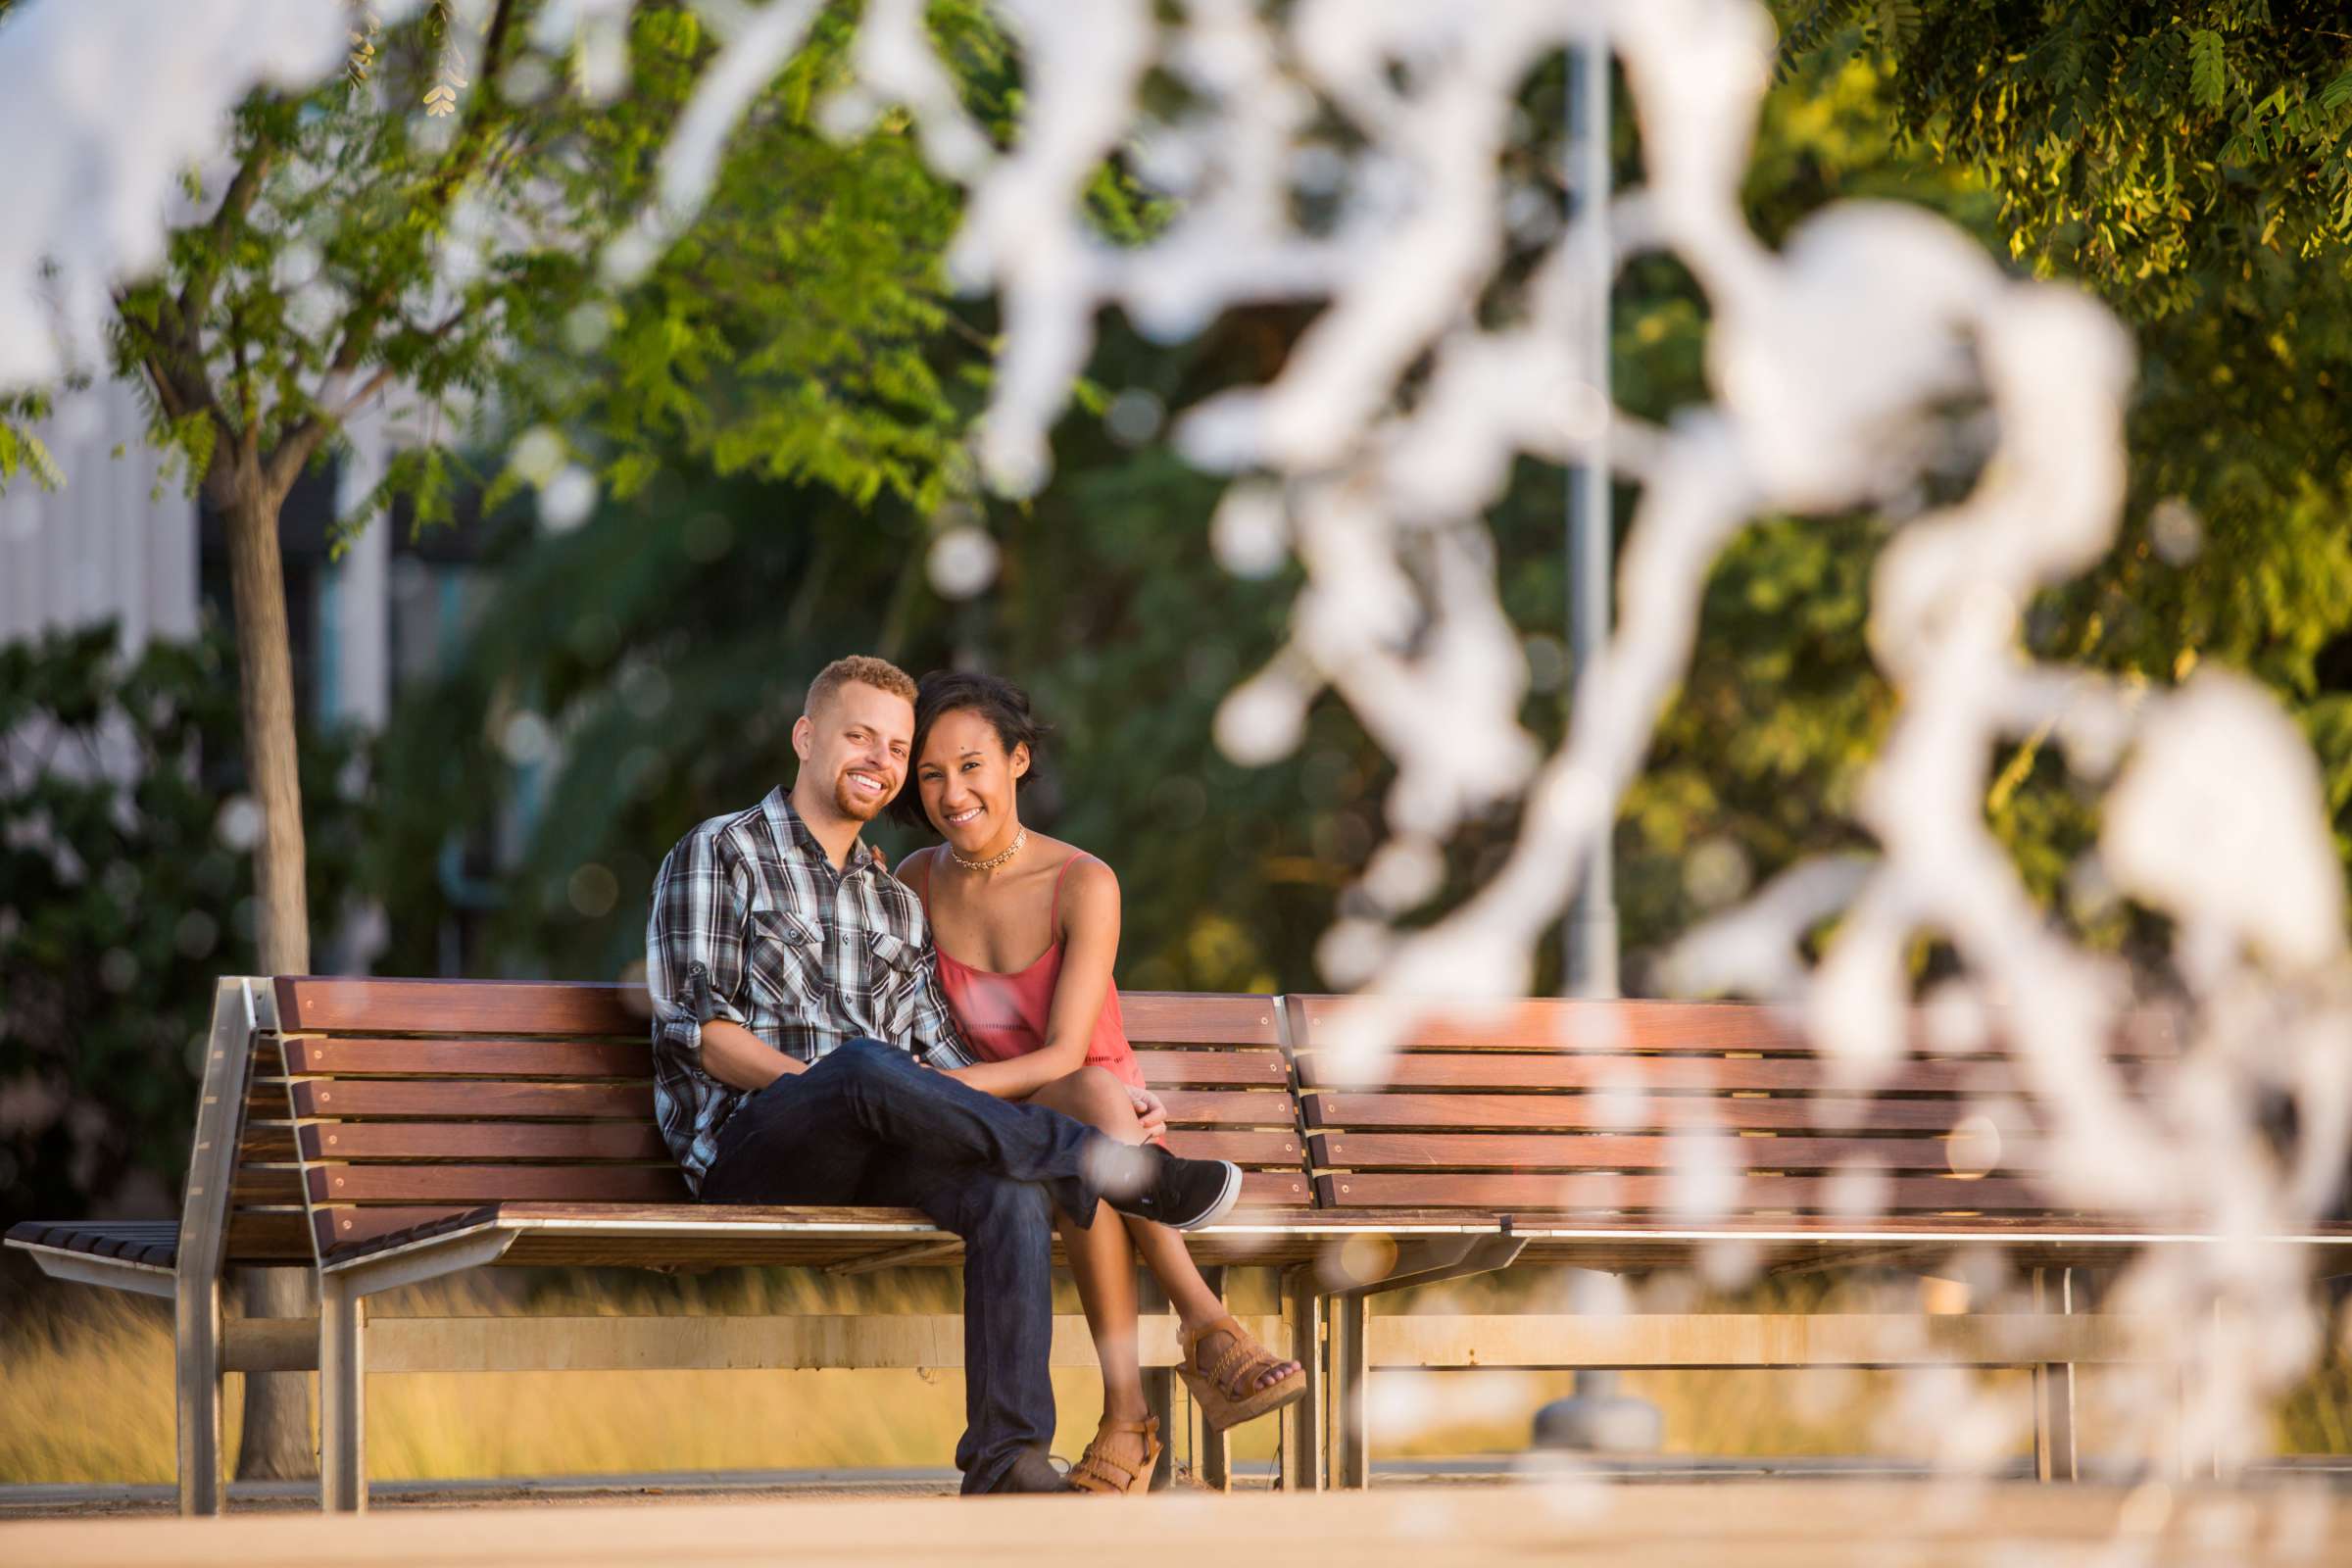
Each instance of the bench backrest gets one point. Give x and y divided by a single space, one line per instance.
1568 1107
415 1100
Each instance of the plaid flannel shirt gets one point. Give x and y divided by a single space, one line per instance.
752 923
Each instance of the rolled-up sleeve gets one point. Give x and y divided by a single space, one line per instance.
694 944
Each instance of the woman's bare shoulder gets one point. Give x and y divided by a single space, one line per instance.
1086 875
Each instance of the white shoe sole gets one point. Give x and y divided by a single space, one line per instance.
1223 1206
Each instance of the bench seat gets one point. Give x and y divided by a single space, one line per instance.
678 1237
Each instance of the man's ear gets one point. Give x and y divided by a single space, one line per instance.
804 737
1020 760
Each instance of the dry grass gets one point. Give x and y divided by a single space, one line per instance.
85 1389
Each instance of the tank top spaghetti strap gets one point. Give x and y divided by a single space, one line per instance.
1004 1016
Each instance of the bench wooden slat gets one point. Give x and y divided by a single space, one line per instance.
1587 1070
562 1009
471 1058
642 1141
491 1184
265 1183
1619 1152
1206 1108
1586 1190
1176 1018
624 1184
1591 1112
268 1141
269 1235
1248 1149
1164 1067
483 1140
1541 1024
315 1004
1276 1189
1555 1024
628 1059
459 1099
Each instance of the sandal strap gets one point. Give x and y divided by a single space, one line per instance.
1242 1353
1237 1358
1093 1462
1190 1339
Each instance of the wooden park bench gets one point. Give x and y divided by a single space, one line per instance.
387 1132
1566 1125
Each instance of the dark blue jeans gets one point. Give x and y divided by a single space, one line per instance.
869 1125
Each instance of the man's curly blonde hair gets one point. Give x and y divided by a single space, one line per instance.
864 669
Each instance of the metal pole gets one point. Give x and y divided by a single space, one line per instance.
1598 1416
1592 931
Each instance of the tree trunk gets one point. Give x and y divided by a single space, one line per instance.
277 1442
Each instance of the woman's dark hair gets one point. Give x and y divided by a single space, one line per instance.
1003 705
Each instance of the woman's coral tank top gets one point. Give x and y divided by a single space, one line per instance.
1003 1016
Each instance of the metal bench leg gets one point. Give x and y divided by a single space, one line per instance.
196 1392
342 1396
1216 1447
1351 1358
203 1244
2054 1457
1302 1422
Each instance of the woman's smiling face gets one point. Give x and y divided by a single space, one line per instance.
967 780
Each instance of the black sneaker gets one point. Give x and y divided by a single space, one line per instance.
1185 1193
1033 1471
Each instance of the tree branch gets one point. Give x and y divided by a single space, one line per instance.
384 372
179 390
196 296
302 442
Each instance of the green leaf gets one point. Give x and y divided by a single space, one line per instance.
2337 93
2207 72
1897 23
22 451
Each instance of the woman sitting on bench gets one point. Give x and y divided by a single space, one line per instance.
1049 1030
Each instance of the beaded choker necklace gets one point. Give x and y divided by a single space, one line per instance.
994 860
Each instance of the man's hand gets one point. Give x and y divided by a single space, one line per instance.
1149 1110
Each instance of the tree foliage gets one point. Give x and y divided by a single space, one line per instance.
1109 608
2191 165
123 893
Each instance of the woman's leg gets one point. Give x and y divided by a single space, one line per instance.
1103 1266
1098 1099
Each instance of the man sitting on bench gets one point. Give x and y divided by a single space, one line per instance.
796 1015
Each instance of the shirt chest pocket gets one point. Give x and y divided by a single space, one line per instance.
897 971
785 961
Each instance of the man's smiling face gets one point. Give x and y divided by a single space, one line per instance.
853 748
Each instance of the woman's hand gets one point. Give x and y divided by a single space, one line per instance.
1150 1110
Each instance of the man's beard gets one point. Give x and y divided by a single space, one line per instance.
853 803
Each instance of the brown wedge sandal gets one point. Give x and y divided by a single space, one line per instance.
1098 1471
1245 1360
